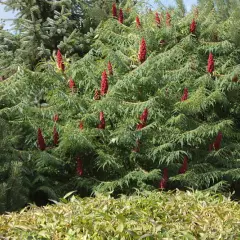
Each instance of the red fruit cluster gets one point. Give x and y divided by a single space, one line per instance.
138 24
142 51
143 119
101 125
193 26
110 70
184 166
55 136
217 143
104 83
114 10
71 83
79 166
81 125
120 17
163 181
97 95
168 19
185 95
60 62
210 63
41 142
157 19
55 118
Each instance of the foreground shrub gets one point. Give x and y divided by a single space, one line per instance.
149 216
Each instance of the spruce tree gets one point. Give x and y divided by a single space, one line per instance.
147 107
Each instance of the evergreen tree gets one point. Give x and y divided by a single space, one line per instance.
150 107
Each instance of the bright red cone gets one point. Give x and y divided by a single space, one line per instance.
142 51
114 10
55 136
138 24
184 167
81 125
79 166
210 63
185 95
71 83
104 83
41 142
102 121
55 118
120 17
217 142
163 181
157 19
60 63
168 19
143 119
193 26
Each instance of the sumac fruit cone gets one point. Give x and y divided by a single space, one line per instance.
41 141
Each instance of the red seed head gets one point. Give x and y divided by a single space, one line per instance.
144 116
97 94
157 19
184 166
41 142
120 17
142 51
168 19
60 63
101 125
193 26
114 10
185 95
217 142
104 83
55 136
81 125
163 181
110 70
210 63
138 24
79 166
71 83
55 118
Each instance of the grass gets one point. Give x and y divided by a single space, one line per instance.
157 215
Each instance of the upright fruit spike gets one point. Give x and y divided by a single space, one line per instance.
217 142
120 17
193 26
60 63
163 181
71 83
114 10
41 142
104 83
185 95
110 70
97 95
138 23
143 119
55 136
168 19
55 118
184 166
142 51
81 125
79 166
210 63
157 19
101 125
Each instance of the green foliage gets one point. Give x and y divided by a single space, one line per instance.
174 129
147 216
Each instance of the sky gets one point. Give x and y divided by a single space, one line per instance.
10 15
